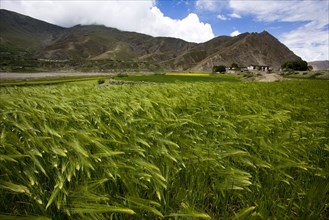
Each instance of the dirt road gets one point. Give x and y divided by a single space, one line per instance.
272 77
264 77
27 76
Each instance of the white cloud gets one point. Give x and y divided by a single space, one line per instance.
222 17
140 16
207 5
189 28
211 5
309 40
310 43
235 33
284 10
235 15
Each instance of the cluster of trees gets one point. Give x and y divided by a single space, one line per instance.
219 69
298 65
222 68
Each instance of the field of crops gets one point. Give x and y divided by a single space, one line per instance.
179 77
206 150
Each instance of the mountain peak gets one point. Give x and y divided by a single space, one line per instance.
265 33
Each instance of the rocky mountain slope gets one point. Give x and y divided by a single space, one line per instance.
320 65
23 34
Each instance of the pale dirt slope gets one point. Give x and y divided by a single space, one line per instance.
27 76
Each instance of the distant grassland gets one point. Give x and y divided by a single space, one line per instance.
179 77
165 151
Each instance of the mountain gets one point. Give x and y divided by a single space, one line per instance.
249 48
320 65
23 35
23 32
99 42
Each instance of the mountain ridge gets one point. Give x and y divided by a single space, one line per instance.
25 31
97 42
319 64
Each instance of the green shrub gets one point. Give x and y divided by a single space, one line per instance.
219 69
101 81
235 66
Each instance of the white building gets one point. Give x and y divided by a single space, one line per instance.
259 68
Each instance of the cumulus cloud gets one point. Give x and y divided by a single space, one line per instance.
189 28
311 39
222 17
140 16
235 33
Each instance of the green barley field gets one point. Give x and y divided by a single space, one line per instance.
186 150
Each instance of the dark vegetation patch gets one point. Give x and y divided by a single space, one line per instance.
166 78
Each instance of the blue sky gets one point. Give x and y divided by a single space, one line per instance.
302 25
